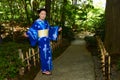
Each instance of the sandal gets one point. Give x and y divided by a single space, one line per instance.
47 73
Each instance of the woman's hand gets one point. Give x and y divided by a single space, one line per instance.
25 34
60 29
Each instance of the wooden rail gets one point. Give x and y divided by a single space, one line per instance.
32 55
105 59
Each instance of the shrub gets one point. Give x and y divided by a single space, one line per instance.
91 40
9 59
68 33
119 64
100 29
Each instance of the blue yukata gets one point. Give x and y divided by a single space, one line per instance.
41 33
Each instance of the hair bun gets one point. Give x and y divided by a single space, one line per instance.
42 9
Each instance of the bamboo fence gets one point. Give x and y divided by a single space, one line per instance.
105 60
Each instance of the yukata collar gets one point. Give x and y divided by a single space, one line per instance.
40 20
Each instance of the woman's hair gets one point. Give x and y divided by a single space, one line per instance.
42 9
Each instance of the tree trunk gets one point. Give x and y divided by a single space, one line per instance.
63 13
48 7
112 37
52 11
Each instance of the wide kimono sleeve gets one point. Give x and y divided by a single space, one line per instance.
53 33
33 34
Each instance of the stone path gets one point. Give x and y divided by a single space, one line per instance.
75 63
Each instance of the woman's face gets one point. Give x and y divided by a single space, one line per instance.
42 15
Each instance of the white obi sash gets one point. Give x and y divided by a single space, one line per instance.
43 33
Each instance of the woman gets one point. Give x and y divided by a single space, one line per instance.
41 33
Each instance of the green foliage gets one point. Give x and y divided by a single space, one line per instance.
67 33
82 14
9 59
100 28
19 11
93 20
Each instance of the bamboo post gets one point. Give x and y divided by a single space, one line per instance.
22 69
104 57
38 55
109 67
106 67
60 39
27 59
104 61
29 53
54 45
51 45
21 55
34 60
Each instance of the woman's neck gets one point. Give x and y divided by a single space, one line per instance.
41 19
